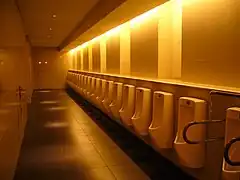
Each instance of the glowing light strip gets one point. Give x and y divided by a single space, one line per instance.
134 21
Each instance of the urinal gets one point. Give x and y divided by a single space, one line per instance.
116 103
89 86
142 117
108 97
85 86
78 84
127 110
97 92
161 128
101 96
93 88
191 155
232 131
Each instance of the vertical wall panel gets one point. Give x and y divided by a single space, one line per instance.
211 32
125 46
90 57
103 55
113 54
96 57
144 48
85 59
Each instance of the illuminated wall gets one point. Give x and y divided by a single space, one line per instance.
188 40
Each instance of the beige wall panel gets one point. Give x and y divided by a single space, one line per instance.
113 54
144 48
96 57
103 59
211 41
90 57
85 59
51 75
125 46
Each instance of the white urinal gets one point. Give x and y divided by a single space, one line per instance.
142 117
97 91
102 94
116 104
78 84
89 87
108 97
86 86
127 110
93 89
232 130
161 128
191 155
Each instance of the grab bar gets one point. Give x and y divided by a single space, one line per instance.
193 123
226 152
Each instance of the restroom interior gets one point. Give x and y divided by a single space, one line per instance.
163 72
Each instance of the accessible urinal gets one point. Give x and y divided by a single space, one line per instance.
161 128
127 110
191 155
116 104
100 98
231 162
108 97
142 117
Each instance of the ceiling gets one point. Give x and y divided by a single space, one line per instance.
49 22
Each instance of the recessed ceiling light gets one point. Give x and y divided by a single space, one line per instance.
50 29
45 62
54 15
39 62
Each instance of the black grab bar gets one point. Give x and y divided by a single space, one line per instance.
193 123
226 152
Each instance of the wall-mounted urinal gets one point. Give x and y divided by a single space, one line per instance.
97 91
108 97
89 87
191 155
101 95
161 128
92 90
116 103
127 110
142 117
231 163
79 84
86 86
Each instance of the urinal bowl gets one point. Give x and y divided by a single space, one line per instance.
191 155
142 117
108 97
161 128
127 110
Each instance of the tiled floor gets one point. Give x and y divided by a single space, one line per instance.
64 141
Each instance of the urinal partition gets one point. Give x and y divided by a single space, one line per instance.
162 126
116 103
231 163
142 117
191 155
127 110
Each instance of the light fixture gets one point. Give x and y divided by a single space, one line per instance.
50 29
39 62
54 16
45 62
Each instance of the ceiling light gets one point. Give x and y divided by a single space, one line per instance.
45 62
54 16
50 29
39 62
